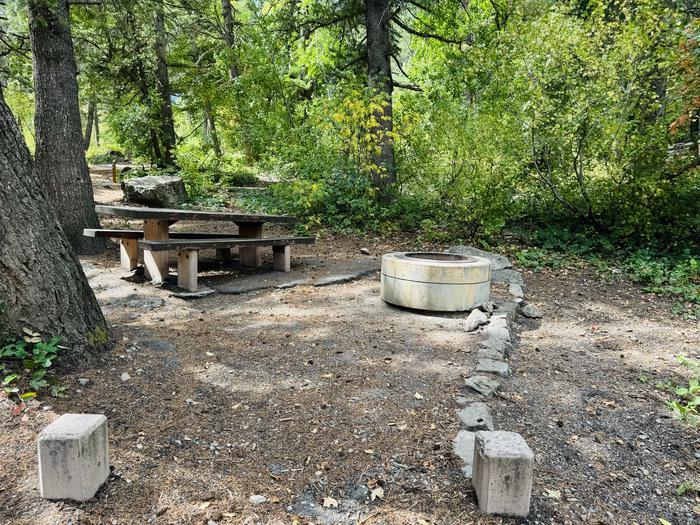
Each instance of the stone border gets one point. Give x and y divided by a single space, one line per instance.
492 363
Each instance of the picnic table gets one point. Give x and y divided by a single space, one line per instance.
156 236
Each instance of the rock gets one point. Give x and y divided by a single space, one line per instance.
532 312
486 307
488 353
493 366
503 472
364 251
483 384
125 376
257 499
192 295
463 447
83 381
343 278
475 417
498 262
497 345
73 457
497 329
476 319
516 290
163 191
507 276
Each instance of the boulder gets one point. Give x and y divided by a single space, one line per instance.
161 191
476 319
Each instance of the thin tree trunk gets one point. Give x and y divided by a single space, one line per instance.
210 128
42 285
60 156
229 37
97 126
380 82
167 132
92 110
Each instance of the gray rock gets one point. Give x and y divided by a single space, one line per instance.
498 330
125 376
476 319
162 190
364 251
488 353
257 499
497 345
83 381
498 262
193 295
485 385
486 307
516 290
291 284
340 279
463 447
507 276
532 312
475 417
493 366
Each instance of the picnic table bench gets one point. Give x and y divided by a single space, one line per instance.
157 241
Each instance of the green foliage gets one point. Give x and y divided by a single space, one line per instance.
686 402
25 365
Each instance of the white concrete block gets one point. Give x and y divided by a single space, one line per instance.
502 473
73 457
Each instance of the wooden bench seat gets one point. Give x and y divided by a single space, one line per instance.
188 253
128 249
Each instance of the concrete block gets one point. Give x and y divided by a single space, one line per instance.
73 457
502 473
475 417
463 447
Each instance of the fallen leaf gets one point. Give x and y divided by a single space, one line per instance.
369 451
377 493
554 494
330 502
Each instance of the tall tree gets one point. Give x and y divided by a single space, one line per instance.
167 134
42 285
60 153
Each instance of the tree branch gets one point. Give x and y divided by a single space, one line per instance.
422 34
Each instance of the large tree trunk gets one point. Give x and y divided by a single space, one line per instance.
229 36
97 126
91 115
380 82
42 285
60 156
167 132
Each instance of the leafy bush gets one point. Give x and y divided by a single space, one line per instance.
25 365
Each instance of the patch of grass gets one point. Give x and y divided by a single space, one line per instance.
685 402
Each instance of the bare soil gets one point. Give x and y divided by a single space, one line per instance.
306 393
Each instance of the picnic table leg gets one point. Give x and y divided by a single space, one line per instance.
250 255
129 253
223 255
187 269
156 263
282 258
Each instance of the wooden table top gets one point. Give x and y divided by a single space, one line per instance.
168 214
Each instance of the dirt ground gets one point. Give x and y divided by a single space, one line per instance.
304 393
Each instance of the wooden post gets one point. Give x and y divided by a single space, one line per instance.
156 263
282 258
250 255
129 253
187 269
114 171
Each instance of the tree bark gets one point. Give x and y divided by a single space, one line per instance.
210 128
60 156
229 36
42 285
380 82
97 126
167 131
91 113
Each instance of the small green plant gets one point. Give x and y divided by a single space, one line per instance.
25 365
689 486
686 404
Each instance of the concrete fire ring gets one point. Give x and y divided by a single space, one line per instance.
443 282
